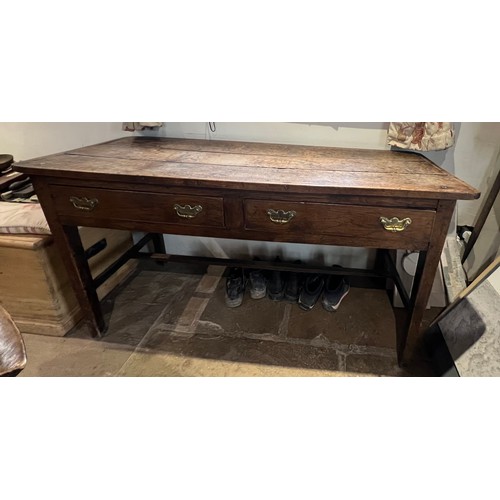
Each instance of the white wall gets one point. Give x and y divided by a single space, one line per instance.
351 135
29 140
477 161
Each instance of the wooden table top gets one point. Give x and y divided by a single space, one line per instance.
255 166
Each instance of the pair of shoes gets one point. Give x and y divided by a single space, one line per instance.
236 284
284 285
235 287
334 289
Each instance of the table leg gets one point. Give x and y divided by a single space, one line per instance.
68 242
71 250
424 276
158 243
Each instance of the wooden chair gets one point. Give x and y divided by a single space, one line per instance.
12 349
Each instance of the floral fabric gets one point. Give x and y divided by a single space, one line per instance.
421 136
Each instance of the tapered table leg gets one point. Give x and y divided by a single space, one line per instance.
424 276
68 242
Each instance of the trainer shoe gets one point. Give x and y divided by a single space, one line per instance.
276 285
235 287
336 288
292 287
257 282
313 285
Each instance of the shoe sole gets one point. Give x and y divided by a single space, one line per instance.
334 308
275 296
306 308
234 302
258 294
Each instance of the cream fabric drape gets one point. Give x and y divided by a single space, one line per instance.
421 136
133 126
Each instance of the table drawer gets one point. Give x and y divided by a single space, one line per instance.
353 225
104 204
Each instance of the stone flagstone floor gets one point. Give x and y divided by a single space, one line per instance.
172 321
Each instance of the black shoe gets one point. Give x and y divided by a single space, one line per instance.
276 285
336 288
292 287
257 281
235 287
311 291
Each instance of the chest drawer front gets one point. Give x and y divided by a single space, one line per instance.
103 204
354 225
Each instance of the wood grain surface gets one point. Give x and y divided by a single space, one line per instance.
361 223
255 166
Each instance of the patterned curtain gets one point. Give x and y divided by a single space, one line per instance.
421 136
133 126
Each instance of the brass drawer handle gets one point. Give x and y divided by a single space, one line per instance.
280 216
187 211
86 204
395 225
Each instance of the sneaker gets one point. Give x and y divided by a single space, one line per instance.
311 291
276 285
336 288
235 287
257 281
292 287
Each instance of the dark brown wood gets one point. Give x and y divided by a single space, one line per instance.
166 188
158 243
67 239
424 276
301 158
376 173
482 216
338 195
359 223
140 207
391 266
